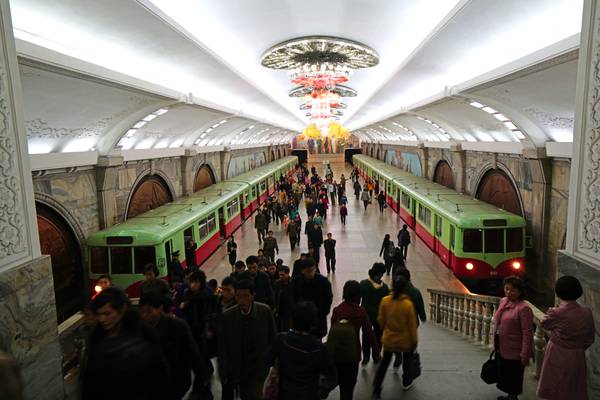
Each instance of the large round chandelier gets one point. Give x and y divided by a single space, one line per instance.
320 66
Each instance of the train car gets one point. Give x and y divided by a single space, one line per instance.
475 239
208 217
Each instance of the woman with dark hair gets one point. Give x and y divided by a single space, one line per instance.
232 251
513 340
124 358
387 251
372 291
398 320
339 342
570 328
306 371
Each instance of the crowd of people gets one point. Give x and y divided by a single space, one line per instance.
265 326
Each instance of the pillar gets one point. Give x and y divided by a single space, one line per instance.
581 257
423 153
106 182
28 329
458 166
225 157
187 172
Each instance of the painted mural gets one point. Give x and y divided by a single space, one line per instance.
337 140
240 164
409 162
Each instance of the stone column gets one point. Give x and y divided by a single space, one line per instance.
582 255
187 172
225 157
458 166
423 153
28 330
106 182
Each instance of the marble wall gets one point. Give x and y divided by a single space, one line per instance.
28 327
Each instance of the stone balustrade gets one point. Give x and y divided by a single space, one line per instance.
471 315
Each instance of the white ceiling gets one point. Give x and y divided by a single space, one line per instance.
435 55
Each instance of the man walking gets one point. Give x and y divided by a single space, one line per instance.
270 246
329 245
246 333
260 223
404 240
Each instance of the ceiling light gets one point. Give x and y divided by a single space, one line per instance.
476 104
519 134
489 110
130 133
149 117
140 124
500 117
161 111
510 125
222 122
209 130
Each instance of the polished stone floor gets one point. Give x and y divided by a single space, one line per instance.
451 364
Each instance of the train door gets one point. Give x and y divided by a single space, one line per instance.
437 234
451 249
188 235
241 201
222 227
169 254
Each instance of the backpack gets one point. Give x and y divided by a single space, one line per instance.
403 237
341 342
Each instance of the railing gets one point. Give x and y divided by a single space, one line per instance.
471 315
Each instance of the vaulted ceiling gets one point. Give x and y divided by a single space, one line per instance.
92 70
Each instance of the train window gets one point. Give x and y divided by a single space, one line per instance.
473 241
424 215
203 228
99 259
494 241
438 226
232 208
254 192
188 234
263 186
452 233
211 224
406 200
120 260
246 198
142 256
514 240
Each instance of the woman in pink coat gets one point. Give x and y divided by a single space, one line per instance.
570 328
513 341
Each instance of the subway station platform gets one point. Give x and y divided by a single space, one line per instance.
451 364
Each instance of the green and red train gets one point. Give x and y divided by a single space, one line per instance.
476 240
208 217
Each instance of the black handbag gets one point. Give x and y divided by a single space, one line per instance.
412 366
489 369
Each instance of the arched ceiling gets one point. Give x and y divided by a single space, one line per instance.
91 70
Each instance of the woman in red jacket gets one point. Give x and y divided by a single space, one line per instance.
513 340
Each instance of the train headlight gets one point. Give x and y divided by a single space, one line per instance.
516 265
469 266
97 288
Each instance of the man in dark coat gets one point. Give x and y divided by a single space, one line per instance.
297 268
404 240
329 245
261 223
284 299
270 246
313 287
263 291
175 268
246 333
178 346
315 240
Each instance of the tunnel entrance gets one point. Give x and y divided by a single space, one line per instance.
151 192
497 188
443 174
58 240
204 178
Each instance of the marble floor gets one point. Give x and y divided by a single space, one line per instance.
451 364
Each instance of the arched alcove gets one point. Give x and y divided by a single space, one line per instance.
151 192
204 178
272 155
496 187
377 154
58 240
443 174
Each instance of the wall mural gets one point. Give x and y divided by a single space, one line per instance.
337 140
239 165
409 162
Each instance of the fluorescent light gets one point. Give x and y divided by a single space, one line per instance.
209 130
489 110
476 104
214 126
500 117
149 117
176 143
519 134
510 125
203 135
77 145
130 133
161 111
140 124
222 122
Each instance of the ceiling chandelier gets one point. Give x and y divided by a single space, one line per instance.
319 66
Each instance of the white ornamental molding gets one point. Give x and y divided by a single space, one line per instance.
12 217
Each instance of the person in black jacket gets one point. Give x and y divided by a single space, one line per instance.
329 245
179 348
196 309
297 267
388 252
263 292
315 240
124 359
284 299
313 287
306 371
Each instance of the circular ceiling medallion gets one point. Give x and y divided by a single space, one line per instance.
340 90
319 50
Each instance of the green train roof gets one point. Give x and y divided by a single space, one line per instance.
461 209
156 225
